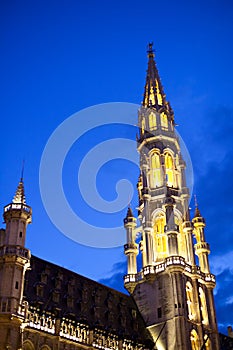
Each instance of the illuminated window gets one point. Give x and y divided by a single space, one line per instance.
155 171
204 312
207 342
194 340
164 120
181 238
152 96
152 121
169 165
160 237
143 126
190 303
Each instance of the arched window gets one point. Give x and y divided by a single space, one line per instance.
160 237
152 96
164 120
155 170
194 340
190 301
27 345
204 312
169 165
143 126
181 237
207 342
152 121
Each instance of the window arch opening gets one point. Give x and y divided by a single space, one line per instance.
156 178
190 301
203 306
194 340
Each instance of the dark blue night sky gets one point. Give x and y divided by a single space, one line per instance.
59 57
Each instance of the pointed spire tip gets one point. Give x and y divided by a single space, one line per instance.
197 211
19 196
150 49
22 171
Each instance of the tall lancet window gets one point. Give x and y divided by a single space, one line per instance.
155 171
152 121
204 312
194 340
152 96
160 237
143 126
164 120
207 342
169 165
190 301
181 238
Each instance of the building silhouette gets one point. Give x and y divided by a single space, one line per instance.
170 303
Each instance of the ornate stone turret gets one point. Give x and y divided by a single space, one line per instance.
173 293
202 248
14 261
131 248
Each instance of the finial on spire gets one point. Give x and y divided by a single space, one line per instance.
195 201
150 50
197 211
22 171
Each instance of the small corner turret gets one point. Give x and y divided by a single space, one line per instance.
14 257
17 215
131 248
201 247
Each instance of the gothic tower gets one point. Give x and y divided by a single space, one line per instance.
14 261
173 293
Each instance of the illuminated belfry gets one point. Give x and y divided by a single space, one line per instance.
174 294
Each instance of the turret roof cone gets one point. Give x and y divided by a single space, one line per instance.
129 213
19 196
197 211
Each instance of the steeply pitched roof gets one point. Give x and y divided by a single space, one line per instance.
67 294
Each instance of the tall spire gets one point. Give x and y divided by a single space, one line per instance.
19 196
154 95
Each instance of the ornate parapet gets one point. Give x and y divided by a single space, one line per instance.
74 331
172 262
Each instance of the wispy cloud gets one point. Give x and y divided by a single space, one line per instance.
222 262
229 300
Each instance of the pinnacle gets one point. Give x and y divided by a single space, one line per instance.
197 211
129 213
19 196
